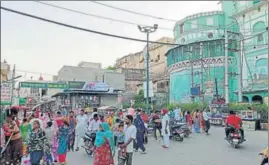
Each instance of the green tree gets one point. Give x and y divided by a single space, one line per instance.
139 100
111 67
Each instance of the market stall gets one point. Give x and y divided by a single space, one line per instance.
106 110
250 119
219 112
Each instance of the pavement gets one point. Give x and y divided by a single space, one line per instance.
198 149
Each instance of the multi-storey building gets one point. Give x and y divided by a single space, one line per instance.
199 58
133 61
251 19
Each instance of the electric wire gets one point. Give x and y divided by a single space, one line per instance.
108 34
112 19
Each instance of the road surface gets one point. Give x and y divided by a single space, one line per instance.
198 149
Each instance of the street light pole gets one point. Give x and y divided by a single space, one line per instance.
147 30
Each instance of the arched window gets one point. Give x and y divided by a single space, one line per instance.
261 68
258 28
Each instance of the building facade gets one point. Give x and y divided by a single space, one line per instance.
114 79
198 61
251 17
133 60
5 71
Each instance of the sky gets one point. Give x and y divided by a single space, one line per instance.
43 48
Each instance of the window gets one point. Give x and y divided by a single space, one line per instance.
193 24
210 21
256 1
181 28
260 38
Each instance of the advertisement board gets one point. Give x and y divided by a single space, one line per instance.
6 93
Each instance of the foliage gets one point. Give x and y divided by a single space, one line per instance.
187 106
111 67
139 98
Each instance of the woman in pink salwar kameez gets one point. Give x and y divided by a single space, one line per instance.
55 143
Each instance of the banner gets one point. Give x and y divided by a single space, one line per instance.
6 93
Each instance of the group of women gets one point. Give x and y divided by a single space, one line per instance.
40 139
195 121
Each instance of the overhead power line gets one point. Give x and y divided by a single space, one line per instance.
107 34
82 29
106 18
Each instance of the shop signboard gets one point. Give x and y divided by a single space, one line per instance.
43 85
76 84
96 86
6 93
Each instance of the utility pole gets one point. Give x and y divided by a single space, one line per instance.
192 73
13 84
147 30
201 73
226 79
240 69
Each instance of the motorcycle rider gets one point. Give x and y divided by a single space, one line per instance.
233 122
94 125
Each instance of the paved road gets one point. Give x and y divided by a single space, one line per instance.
198 149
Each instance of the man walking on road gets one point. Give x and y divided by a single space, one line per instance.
129 137
165 128
206 119
81 127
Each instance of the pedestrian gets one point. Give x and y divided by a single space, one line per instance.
63 133
140 134
196 121
25 129
129 137
120 141
13 141
165 128
206 120
201 121
37 144
55 143
105 147
81 126
189 120
71 119
49 134
156 124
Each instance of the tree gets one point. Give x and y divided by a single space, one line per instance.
111 67
139 99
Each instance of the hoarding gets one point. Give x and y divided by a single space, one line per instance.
6 93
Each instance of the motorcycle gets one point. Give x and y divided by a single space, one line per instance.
177 133
184 127
235 138
264 155
88 141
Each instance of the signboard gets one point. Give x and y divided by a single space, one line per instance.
43 85
195 91
6 93
76 84
96 86
248 125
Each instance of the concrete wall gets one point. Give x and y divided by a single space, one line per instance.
90 65
115 80
109 100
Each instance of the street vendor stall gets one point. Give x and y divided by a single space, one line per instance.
106 110
250 119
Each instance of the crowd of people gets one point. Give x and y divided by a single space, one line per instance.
47 138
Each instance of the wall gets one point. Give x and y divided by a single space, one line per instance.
115 80
207 59
109 100
252 19
133 61
90 65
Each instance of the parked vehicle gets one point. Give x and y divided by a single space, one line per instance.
182 126
89 142
177 133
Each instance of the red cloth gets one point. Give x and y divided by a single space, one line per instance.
164 111
189 119
145 117
103 155
62 158
234 121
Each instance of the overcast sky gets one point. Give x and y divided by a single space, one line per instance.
38 46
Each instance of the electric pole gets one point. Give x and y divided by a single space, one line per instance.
226 79
147 30
201 73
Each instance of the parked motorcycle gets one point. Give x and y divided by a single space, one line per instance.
177 133
235 138
88 140
183 126
264 155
